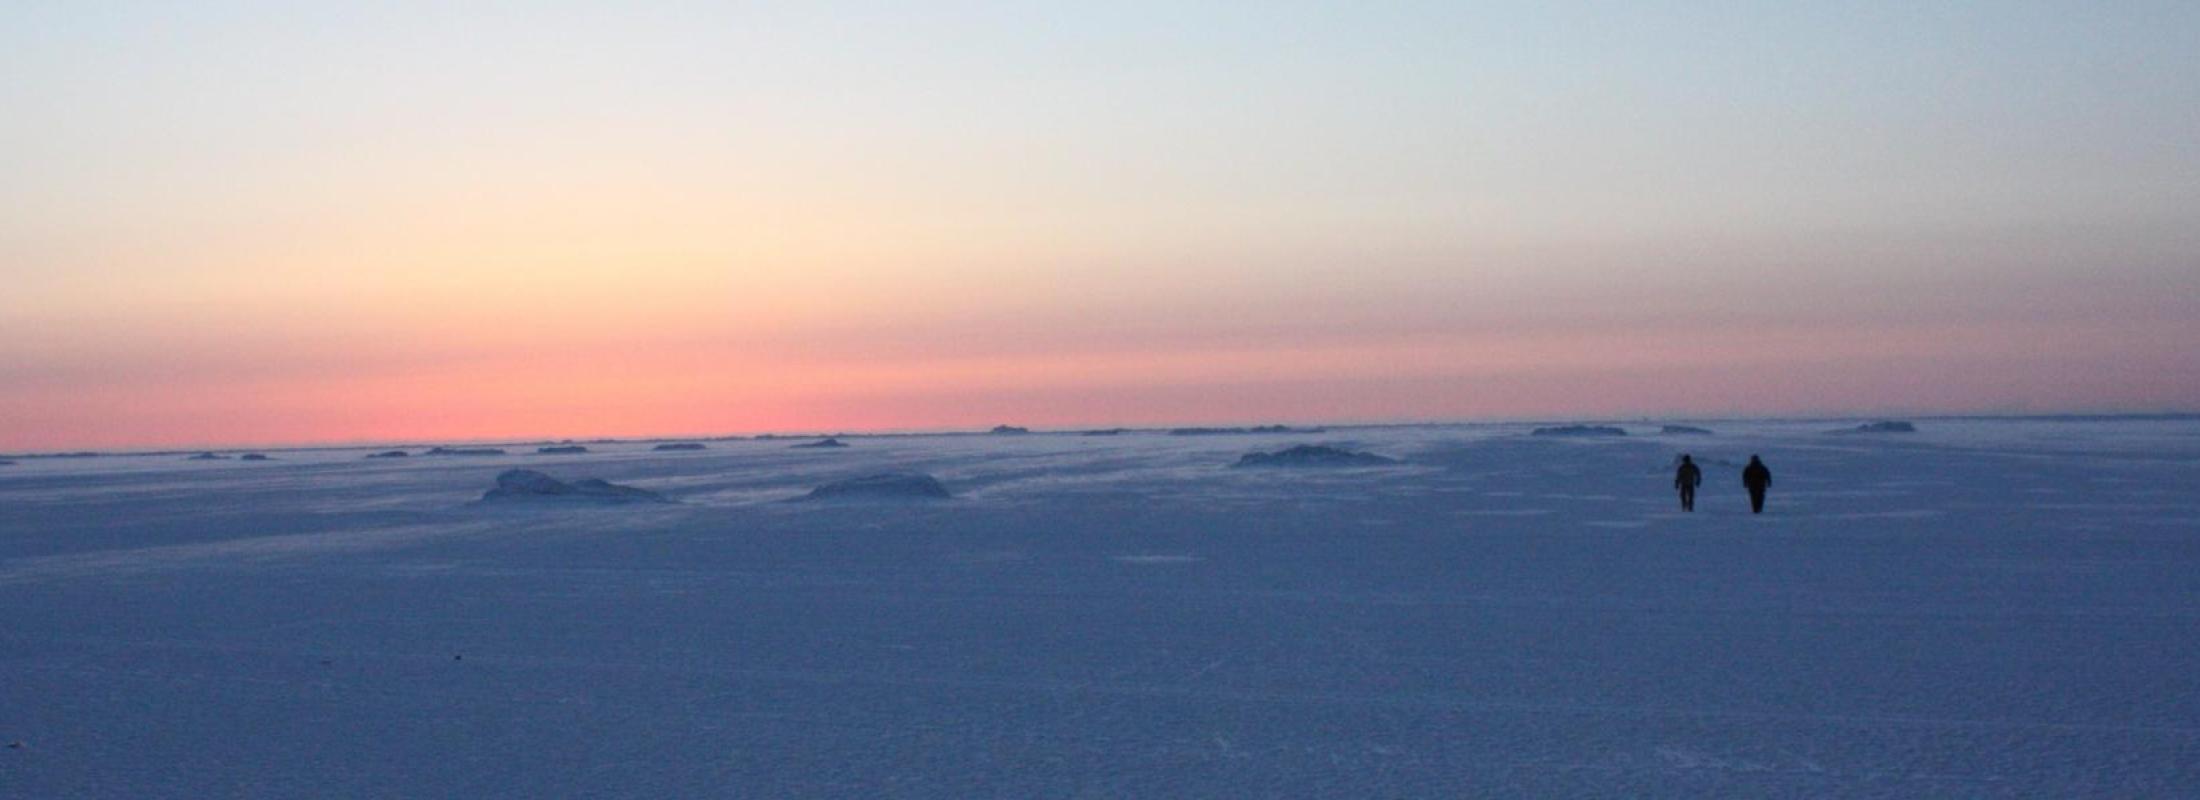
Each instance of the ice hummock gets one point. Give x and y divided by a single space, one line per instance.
527 484
1579 430
1882 426
1240 431
464 451
1314 455
883 486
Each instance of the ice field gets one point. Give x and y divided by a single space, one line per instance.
1981 608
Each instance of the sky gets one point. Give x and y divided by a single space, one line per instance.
295 222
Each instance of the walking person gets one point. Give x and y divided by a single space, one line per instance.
1686 479
1756 478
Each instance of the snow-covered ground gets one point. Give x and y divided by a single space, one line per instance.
1978 609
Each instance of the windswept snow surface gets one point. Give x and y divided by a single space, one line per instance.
1982 608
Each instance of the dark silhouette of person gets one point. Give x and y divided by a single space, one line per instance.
1686 479
1756 478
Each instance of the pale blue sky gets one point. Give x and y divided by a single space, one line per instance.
948 182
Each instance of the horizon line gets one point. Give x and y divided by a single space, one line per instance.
2047 416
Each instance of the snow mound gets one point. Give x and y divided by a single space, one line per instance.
207 457
883 486
1684 430
254 457
560 450
827 442
670 446
389 454
1579 430
527 484
463 451
1314 455
1882 426
1009 429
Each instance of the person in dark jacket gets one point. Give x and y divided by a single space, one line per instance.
1756 478
1686 479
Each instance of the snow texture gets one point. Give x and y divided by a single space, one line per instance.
1980 609
518 485
1313 455
1579 430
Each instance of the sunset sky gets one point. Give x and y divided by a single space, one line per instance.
288 222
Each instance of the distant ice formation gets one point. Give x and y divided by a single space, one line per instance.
1579 430
254 457
561 450
207 457
463 451
1684 430
1234 431
883 486
670 446
1314 455
827 442
1882 426
1009 429
527 484
389 454
1105 432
